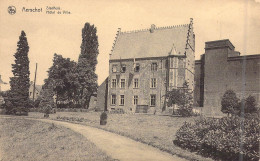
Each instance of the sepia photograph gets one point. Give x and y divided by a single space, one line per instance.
129 80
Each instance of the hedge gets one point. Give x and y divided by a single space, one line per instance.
227 138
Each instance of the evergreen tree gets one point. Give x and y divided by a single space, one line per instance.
87 64
20 82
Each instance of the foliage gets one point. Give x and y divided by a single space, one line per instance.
181 97
63 78
19 93
250 105
224 138
37 102
87 64
229 102
47 95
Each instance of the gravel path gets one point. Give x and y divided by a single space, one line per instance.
116 146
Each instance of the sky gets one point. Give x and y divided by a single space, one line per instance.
236 20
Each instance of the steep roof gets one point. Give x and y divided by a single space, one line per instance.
154 42
38 88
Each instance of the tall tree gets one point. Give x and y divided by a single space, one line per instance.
20 82
87 64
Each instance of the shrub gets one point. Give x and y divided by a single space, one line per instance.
21 111
37 102
8 107
103 118
222 138
229 102
250 105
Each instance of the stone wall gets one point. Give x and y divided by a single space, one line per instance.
224 69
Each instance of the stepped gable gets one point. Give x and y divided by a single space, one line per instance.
152 42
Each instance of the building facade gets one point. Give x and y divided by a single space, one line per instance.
222 68
37 91
145 64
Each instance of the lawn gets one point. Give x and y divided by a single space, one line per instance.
22 139
155 130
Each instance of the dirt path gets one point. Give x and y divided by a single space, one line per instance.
116 146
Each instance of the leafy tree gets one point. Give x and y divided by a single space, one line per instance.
63 75
181 97
229 102
18 97
87 64
249 104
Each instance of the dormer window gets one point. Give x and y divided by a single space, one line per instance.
123 68
114 68
137 68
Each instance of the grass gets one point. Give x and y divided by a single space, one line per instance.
157 131
22 139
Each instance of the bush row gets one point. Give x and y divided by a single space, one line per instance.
227 138
61 110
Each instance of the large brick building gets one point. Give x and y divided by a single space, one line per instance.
222 68
144 64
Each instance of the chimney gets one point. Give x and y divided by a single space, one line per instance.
152 28
191 20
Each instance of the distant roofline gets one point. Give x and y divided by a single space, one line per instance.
241 57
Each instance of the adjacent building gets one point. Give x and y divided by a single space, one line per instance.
37 91
222 68
145 64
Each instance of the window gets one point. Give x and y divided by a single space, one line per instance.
137 67
154 67
153 83
123 68
171 62
113 83
135 100
113 99
122 83
153 99
114 68
122 100
136 83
